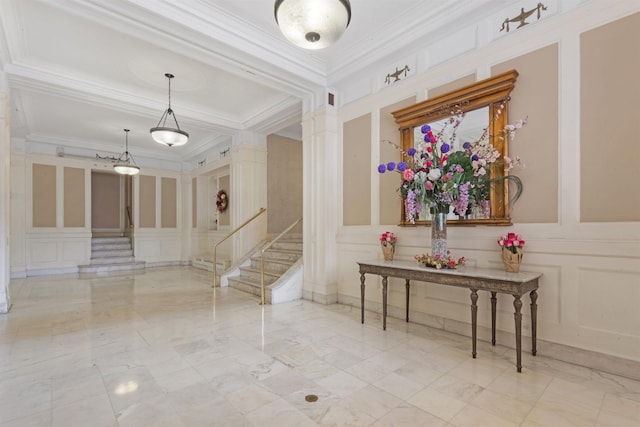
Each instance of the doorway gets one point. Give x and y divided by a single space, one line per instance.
111 204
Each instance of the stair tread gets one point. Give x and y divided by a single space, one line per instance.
115 263
257 270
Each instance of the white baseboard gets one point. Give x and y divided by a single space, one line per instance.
564 353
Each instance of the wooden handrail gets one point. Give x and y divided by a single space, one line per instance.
262 251
215 247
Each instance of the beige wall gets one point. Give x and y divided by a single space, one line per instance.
44 195
73 197
194 202
356 171
452 85
105 201
610 112
147 201
390 200
579 212
168 213
284 183
535 96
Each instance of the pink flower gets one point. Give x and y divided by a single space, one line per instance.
407 175
428 185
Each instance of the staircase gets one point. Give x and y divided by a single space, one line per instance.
111 254
282 273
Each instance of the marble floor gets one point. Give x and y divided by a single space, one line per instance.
161 348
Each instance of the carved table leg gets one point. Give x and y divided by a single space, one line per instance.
362 296
474 320
384 303
534 320
517 303
407 286
494 302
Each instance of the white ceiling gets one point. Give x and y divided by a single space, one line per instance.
80 71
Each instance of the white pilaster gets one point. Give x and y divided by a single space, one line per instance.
248 192
319 153
5 191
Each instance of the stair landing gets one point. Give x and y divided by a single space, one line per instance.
111 254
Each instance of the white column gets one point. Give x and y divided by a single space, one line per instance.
5 191
319 153
248 192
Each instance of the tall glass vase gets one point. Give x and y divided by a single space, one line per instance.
439 234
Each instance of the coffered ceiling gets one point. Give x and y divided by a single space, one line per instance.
79 71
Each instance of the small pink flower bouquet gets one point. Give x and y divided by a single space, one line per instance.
440 262
511 242
388 238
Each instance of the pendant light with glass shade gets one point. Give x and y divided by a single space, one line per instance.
125 165
164 134
313 24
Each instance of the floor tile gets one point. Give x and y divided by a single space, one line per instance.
162 348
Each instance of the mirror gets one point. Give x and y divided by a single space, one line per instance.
482 106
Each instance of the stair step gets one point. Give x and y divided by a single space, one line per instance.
106 268
277 266
110 240
111 253
290 245
282 254
109 246
245 285
253 275
278 260
112 260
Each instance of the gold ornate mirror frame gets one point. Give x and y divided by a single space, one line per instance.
492 93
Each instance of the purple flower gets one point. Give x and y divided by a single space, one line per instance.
402 166
391 166
411 151
382 168
475 157
425 128
427 138
444 148
466 145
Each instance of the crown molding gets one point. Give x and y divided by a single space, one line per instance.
416 30
44 80
215 42
279 116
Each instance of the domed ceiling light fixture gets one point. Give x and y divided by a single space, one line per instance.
171 137
313 24
125 165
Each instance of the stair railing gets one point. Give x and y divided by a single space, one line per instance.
264 249
215 247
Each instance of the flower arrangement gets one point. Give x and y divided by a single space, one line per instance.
221 201
436 177
440 262
388 238
511 242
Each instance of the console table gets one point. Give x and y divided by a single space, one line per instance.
475 279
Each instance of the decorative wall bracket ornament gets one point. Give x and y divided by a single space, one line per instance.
521 19
109 158
396 75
